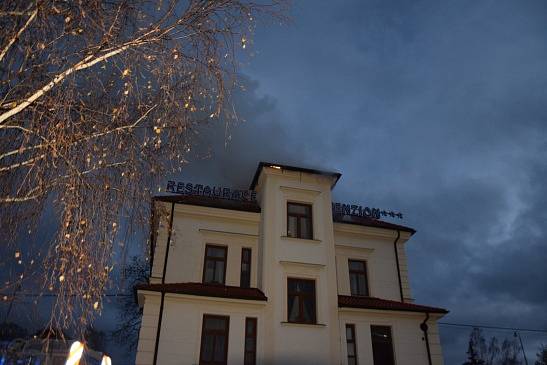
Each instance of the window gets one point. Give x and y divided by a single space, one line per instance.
250 342
214 340
382 347
299 221
214 269
301 301
352 347
245 278
358 277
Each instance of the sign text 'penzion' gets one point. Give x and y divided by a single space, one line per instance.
360 211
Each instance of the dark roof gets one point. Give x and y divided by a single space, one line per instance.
252 206
206 290
370 222
345 301
262 164
204 201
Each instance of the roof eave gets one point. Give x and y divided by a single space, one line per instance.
262 164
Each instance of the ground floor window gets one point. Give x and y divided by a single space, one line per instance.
352 347
214 340
250 341
382 345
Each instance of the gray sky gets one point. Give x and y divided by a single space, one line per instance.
435 108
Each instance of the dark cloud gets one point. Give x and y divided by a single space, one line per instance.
437 108
229 153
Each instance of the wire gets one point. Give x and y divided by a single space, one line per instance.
54 295
492 327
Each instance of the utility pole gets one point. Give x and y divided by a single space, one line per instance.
516 334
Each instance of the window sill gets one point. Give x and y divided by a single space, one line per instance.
298 324
304 240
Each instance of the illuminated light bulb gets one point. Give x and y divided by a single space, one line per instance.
75 353
275 167
106 360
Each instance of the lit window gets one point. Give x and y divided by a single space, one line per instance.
301 301
214 268
382 346
358 277
299 221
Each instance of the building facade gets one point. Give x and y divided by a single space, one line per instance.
280 280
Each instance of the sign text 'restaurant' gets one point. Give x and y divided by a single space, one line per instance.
211 192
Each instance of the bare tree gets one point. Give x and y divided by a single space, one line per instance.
491 353
126 332
97 100
476 348
510 352
542 355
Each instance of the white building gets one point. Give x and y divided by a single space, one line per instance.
279 280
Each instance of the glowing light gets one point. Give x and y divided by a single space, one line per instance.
275 167
106 360
75 354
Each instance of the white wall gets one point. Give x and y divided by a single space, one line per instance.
375 246
182 324
147 333
286 257
193 228
275 258
408 340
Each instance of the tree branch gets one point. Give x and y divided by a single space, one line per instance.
83 64
21 164
14 38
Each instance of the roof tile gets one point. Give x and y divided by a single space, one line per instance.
207 290
370 222
346 301
203 201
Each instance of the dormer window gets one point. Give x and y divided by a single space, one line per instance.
358 280
299 221
214 268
